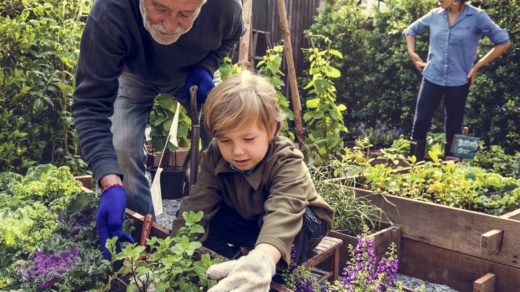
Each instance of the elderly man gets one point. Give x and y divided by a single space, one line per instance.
131 51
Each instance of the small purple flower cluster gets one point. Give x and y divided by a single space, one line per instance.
300 279
46 267
363 271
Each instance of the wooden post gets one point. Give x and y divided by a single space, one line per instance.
291 72
245 41
491 242
465 131
485 283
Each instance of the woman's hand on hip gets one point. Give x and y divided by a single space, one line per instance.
472 74
419 65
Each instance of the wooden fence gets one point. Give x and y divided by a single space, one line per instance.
300 15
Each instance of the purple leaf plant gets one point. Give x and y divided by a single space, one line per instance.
47 267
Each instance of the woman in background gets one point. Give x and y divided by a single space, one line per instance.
456 29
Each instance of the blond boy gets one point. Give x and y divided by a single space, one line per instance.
253 187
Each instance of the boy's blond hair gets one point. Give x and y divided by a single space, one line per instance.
239 101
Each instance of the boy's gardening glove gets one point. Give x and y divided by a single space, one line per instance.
201 77
109 218
249 273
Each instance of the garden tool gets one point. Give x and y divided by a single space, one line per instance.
195 135
146 229
155 189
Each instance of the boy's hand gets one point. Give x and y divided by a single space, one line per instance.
201 77
109 218
249 273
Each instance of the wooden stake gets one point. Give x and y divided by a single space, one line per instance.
291 72
491 242
485 283
245 41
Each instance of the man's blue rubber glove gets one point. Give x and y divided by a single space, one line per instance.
109 218
201 77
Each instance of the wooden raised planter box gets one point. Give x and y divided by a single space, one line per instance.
453 246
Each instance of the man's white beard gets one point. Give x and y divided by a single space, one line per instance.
158 32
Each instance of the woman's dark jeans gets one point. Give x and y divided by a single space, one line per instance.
428 100
228 227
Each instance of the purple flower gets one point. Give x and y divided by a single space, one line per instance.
363 272
294 254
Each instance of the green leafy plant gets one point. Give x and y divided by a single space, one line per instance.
69 259
172 264
451 184
323 117
49 237
227 68
495 159
38 54
160 121
269 67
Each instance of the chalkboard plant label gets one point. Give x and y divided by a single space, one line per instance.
464 146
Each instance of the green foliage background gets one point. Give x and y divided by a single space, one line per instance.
379 84
38 53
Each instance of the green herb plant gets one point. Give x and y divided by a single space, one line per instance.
172 263
351 213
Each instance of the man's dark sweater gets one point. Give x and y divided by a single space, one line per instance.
115 40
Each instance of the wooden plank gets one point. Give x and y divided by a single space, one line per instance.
86 180
513 215
485 283
491 242
454 269
450 228
325 249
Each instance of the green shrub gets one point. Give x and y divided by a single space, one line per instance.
38 53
